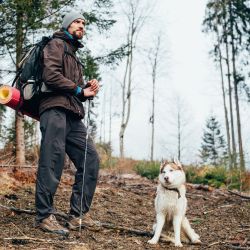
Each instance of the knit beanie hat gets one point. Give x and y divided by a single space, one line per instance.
71 17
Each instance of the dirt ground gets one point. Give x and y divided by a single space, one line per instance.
124 201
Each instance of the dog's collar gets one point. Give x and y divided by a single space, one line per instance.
176 190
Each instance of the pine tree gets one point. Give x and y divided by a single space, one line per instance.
213 148
229 19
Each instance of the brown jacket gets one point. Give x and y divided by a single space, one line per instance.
62 73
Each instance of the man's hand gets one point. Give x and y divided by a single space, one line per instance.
92 89
94 85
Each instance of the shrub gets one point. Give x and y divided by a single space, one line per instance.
147 169
216 177
104 151
192 175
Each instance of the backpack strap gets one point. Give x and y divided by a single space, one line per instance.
19 71
67 52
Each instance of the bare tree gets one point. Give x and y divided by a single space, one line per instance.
179 118
155 59
136 15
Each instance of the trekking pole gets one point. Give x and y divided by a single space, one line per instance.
84 163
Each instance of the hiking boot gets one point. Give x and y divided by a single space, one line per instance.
51 225
75 222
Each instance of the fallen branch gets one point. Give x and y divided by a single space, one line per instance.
215 243
223 206
237 247
200 187
209 211
7 165
125 229
32 212
18 210
3 156
239 194
243 230
194 196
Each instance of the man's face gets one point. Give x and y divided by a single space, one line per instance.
76 28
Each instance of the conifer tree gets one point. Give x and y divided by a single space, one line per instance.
213 148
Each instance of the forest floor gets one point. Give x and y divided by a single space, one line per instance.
124 206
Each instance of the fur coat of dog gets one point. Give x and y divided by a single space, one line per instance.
171 205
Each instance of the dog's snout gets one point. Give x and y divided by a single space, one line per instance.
166 178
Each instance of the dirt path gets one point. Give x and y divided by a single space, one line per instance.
221 219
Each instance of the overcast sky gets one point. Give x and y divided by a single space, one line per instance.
190 74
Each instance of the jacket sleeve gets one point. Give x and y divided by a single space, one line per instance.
53 76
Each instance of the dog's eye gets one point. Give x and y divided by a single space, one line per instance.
171 170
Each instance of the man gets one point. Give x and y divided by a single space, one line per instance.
62 131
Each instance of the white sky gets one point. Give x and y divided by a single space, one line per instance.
191 74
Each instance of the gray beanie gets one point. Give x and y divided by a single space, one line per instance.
71 17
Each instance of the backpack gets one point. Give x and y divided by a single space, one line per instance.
29 78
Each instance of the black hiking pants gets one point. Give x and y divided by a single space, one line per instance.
62 132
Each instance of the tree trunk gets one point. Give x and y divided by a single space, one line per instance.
153 116
154 63
19 122
126 90
110 114
233 152
179 134
225 106
241 153
122 128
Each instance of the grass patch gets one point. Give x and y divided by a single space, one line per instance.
217 177
197 221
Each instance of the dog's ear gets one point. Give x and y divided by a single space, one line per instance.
163 164
178 164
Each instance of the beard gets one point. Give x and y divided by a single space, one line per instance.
77 36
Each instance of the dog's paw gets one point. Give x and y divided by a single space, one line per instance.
153 241
196 241
178 244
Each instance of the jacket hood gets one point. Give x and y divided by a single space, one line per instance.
74 42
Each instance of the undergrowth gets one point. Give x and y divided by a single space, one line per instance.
218 177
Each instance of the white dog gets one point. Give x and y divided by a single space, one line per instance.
171 204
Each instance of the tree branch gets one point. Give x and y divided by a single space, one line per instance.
239 194
31 212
